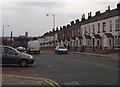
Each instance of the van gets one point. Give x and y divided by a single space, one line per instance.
33 46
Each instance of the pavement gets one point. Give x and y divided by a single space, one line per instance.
25 81
111 55
15 76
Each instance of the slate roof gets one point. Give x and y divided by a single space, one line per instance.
87 36
97 36
109 35
74 37
79 37
102 16
68 39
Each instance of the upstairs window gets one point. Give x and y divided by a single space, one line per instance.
85 30
79 32
104 27
75 32
63 36
93 29
72 33
98 27
89 29
110 25
117 25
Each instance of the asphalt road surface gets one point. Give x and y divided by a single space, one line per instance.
76 69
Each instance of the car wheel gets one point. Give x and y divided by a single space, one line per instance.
27 52
38 52
23 63
55 52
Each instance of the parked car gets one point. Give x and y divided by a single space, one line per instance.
33 46
21 49
61 49
13 56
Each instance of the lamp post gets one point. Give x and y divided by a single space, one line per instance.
53 19
53 24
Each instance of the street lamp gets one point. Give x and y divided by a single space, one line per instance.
3 30
53 24
53 19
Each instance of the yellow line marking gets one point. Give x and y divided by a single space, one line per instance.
49 81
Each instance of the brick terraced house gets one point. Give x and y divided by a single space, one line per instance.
99 33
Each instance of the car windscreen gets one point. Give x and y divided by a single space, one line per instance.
62 47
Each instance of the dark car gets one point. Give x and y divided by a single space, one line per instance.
13 56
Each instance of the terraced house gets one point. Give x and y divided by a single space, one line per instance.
99 33
102 31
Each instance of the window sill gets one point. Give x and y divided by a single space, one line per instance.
117 30
103 31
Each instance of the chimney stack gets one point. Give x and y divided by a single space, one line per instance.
68 25
72 22
64 27
97 13
83 17
61 28
57 29
118 7
77 21
89 15
108 9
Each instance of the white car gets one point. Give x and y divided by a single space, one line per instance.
21 49
61 49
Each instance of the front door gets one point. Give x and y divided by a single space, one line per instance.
98 43
93 41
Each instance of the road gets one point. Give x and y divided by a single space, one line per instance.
76 69
70 69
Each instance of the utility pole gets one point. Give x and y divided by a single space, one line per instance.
53 25
11 39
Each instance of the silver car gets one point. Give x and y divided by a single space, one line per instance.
13 56
61 49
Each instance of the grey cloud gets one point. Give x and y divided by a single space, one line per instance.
43 4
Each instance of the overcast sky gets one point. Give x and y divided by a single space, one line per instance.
31 16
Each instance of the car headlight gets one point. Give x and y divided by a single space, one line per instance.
31 57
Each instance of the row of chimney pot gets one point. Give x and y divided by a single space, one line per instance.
89 16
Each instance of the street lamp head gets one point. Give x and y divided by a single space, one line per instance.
47 14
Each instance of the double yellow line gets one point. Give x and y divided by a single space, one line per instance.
48 81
